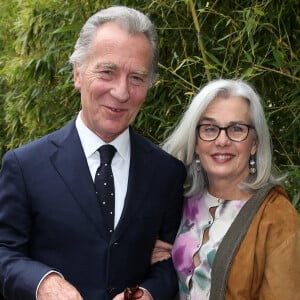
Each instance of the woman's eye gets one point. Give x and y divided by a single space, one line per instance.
210 128
236 128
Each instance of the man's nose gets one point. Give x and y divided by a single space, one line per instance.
120 91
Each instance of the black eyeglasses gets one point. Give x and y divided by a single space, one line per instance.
133 293
235 132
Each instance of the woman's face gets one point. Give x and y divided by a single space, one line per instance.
224 159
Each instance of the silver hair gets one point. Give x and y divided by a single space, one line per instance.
130 19
181 143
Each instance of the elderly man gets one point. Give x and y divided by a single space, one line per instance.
81 208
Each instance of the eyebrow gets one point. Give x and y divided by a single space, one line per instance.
115 67
214 121
141 72
106 65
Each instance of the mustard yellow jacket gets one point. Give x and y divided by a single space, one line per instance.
266 265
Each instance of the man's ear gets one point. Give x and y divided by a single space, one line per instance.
76 74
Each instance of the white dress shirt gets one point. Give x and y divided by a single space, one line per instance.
120 163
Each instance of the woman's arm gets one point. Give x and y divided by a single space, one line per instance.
161 251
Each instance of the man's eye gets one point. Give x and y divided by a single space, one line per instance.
137 80
105 74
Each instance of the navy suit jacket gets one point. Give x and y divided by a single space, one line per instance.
50 219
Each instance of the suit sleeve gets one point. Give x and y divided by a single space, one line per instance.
19 275
162 281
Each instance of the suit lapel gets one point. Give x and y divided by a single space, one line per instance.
70 162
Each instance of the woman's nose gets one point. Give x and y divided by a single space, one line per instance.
222 139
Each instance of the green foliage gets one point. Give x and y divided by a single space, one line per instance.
199 41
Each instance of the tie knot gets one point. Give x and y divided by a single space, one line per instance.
107 153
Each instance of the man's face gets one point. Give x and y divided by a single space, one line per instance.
114 80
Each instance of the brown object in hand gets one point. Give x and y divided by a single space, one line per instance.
132 293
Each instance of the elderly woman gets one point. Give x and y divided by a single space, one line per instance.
240 236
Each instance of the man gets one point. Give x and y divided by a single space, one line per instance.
54 241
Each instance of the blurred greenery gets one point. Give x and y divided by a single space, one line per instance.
199 41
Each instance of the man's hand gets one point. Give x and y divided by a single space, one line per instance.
161 251
146 296
54 287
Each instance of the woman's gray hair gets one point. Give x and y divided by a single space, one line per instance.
181 143
130 19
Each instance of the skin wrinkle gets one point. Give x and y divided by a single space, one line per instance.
112 89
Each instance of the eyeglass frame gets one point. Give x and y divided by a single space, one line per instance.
249 126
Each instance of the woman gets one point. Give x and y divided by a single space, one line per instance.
240 236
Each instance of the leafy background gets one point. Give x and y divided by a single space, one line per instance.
199 41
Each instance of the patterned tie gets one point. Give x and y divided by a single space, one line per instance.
104 184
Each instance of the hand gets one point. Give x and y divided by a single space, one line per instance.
161 251
54 287
146 296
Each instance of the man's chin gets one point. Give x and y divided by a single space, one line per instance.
110 134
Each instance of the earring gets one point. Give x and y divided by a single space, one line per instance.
198 165
252 164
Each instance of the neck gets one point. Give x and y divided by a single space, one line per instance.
227 191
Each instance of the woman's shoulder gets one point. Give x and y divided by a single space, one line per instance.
278 209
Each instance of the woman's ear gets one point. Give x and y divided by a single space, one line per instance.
254 147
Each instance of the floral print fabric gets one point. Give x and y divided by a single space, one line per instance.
194 282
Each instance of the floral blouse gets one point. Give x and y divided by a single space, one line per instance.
194 282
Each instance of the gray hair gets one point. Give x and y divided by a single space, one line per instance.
181 143
129 19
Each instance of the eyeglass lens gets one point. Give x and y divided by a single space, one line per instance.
236 132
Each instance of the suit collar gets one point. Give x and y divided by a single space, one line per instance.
91 142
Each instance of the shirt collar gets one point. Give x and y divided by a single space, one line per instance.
91 142
211 200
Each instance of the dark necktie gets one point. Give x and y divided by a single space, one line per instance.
104 184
